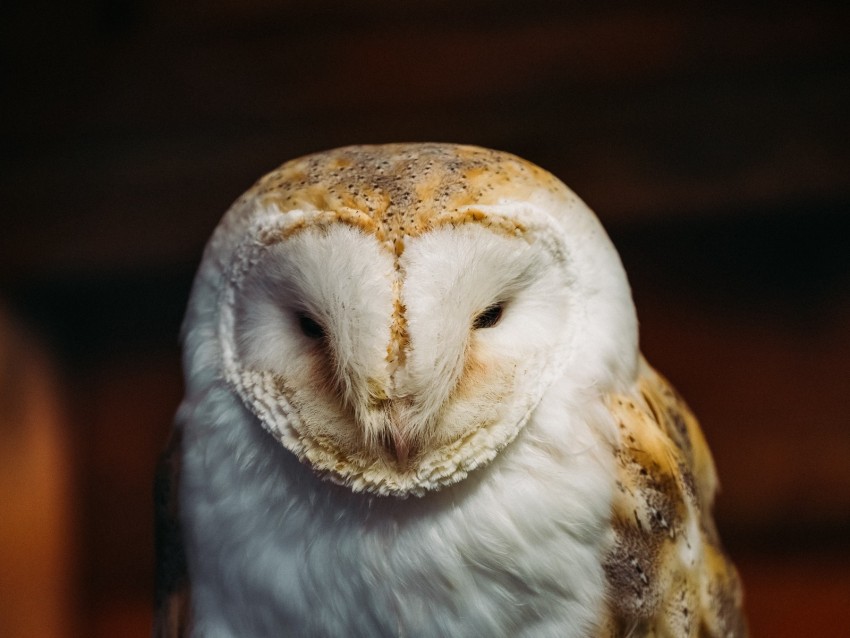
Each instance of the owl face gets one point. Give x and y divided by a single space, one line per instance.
392 315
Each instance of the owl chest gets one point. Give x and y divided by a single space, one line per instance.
415 580
465 574
274 551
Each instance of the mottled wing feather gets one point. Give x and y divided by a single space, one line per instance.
172 584
667 572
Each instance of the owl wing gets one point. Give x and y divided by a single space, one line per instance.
667 572
172 583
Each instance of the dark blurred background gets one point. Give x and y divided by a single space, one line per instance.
712 141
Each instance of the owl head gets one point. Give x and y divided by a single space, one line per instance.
393 314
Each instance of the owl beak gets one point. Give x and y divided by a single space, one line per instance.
400 445
396 434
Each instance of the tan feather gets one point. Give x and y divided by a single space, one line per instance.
667 572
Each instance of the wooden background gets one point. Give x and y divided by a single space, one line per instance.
712 141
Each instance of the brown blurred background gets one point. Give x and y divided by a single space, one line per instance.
712 141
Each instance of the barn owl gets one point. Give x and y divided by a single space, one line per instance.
415 406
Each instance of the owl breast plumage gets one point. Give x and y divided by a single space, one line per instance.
415 406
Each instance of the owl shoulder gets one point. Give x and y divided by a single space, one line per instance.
171 586
667 571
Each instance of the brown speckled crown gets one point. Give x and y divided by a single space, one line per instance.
403 190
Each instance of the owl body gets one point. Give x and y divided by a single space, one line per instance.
415 406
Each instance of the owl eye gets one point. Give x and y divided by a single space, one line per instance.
489 317
311 328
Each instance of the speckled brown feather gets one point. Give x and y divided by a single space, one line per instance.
171 596
667 572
